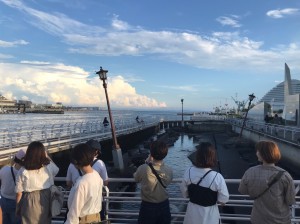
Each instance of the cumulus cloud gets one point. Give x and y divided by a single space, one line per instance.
227 21
43 82
280 13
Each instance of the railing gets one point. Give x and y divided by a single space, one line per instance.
123 206
289 134
58 136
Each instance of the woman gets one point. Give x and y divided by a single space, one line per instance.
271 201
8 195
204 187
85 197
32 185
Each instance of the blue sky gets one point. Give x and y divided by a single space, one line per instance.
156 52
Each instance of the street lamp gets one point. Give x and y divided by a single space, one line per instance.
251 97
117 152
182 124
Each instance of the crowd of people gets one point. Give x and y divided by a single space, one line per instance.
270 186
32 174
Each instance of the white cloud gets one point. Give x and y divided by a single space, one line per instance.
5 56
119 24
43 81
280 13
13 43
227 21
187 88
219 51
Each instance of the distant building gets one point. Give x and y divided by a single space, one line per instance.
285 97
7 103
27 103
275 97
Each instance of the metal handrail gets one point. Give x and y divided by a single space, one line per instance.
129 202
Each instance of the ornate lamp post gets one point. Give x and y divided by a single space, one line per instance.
251 97
117 152
182 124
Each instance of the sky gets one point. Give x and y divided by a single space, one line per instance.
156 52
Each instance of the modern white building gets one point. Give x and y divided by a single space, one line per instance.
284 97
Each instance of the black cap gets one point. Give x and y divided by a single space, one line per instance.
94 144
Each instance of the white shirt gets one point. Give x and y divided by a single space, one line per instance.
196 214
34 180
85 197
7 182
99 166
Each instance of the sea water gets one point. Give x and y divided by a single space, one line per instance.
29 120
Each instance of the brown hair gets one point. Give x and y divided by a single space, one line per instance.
82 155
268 151
205 155
35 156
159 150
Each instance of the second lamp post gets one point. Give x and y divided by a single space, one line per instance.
182 124
251 97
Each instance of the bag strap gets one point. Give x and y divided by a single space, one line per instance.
13 174
155 173
274 180
93 163
203 177
80 174
213 180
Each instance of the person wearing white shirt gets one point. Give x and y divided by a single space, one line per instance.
8 195
73 173
204 187
85 198
33 184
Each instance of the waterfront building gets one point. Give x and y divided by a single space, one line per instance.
7 103
283 100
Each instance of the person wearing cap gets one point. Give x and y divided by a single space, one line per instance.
8 195
73 173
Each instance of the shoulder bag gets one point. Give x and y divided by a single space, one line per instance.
273 181
156 174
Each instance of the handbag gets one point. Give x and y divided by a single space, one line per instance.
57 200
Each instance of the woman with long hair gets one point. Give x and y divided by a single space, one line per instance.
33 185
204 187
270 186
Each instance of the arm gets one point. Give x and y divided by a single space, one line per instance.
18 199
75 203
243 187
289 190
223 194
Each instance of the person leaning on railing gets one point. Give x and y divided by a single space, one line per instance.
204 187
270 186
33 184
154 177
